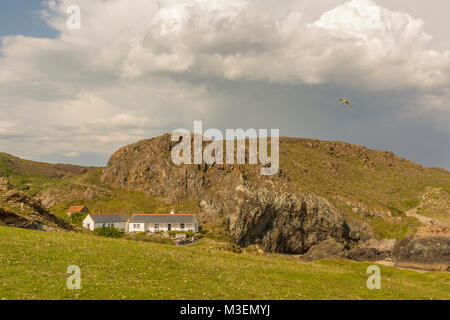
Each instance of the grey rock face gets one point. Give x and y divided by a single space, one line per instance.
427 250
25 211
281 222
328 249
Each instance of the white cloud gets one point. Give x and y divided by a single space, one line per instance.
138 69
234 40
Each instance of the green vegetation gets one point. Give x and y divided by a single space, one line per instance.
394 228
76 218
187 233
121 269
26 181
141 236
378 179
109 232
436 205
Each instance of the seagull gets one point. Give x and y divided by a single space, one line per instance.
341 100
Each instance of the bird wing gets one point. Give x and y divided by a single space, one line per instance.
341 100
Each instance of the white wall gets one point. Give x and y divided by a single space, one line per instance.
136 227
117 225
88 223
140 227
165 227
162 227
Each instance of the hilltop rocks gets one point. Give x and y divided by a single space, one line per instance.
4 184
147 167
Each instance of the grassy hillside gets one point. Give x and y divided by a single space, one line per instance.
373 187
32 176
338 170
33 266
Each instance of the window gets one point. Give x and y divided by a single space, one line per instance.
136 225
156 226
181 225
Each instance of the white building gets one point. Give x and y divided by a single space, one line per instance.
143 222
163 222
95 221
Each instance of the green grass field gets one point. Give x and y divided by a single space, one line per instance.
33 265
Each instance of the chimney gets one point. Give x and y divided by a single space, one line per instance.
172 211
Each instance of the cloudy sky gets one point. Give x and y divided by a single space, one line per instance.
140 68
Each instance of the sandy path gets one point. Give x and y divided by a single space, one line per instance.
424 220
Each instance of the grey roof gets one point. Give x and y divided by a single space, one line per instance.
163 218
103 218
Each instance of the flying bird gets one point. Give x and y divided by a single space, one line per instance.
345 101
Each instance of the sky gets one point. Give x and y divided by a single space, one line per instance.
137 69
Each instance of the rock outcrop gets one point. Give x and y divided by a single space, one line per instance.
269 212
328 249
423 252
254 209
18 209
283 222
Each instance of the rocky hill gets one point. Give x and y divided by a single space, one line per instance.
328 198
18 209
323 190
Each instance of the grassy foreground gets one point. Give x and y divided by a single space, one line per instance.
33 265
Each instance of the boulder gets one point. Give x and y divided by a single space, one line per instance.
423 250
329 249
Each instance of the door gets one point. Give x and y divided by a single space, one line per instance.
169 227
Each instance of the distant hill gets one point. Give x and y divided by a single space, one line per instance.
10 165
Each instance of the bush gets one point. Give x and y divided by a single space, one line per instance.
187 233
109 232
78 217
234 248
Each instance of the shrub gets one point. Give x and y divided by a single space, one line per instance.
109 232
78 217
234 248
187 233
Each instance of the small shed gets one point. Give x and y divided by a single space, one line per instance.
76 209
